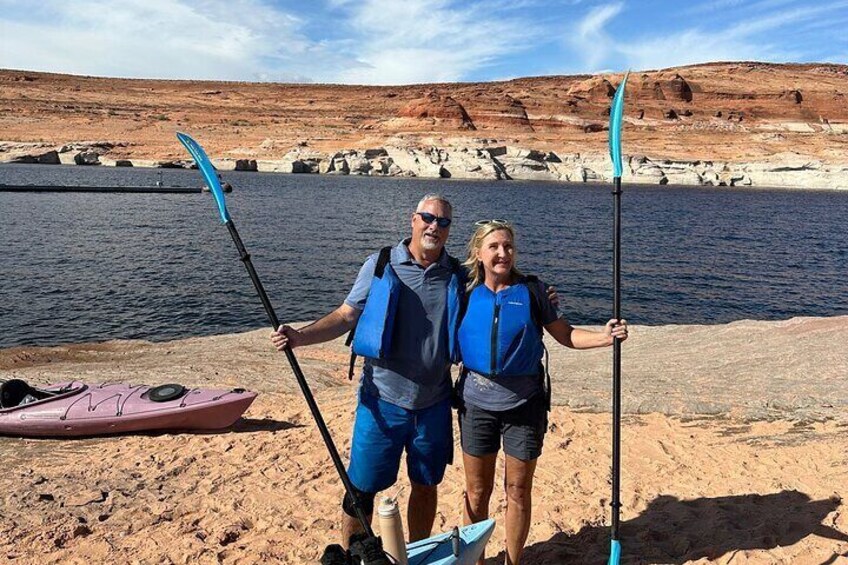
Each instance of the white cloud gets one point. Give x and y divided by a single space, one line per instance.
590 38
385 41
409 41
398 41
692 47
758 36
236 40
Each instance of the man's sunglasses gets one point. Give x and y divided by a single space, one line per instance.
430 218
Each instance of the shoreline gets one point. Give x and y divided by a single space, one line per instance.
486 163
674 370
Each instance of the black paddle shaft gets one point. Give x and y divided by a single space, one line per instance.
301 380
616 362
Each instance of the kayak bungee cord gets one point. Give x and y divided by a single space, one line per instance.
615 154
211 177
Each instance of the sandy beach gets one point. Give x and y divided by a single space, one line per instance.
734 450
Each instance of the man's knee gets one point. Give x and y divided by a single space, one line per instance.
366 502
424 493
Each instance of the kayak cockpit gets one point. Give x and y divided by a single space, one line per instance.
17 393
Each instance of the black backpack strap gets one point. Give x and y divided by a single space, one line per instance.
349 343
383 259
457 269
537 295
547 378
455 265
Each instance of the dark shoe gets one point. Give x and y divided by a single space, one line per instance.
335 555
368 551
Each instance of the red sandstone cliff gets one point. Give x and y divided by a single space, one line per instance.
733 113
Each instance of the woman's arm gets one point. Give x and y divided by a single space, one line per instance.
577 338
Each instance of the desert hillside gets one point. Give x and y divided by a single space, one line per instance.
719 123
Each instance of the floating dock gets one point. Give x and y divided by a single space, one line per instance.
109 189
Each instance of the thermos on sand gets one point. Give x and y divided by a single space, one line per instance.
391 530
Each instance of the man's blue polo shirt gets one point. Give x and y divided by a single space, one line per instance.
417 373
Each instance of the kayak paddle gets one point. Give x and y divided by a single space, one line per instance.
210 175
615 155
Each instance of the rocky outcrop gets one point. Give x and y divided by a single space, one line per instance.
523 164
176 164
676 88
596 89
246 165
48 158
793 96
434 109
500 113
87 158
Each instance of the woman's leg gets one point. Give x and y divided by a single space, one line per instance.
479 483
519 487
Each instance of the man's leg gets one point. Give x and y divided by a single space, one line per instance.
375 452
421 511
428 453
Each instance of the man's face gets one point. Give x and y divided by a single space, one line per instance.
431 236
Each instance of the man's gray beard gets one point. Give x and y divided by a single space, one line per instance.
429 245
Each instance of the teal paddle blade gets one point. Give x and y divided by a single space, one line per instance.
616 112
210 175
615 553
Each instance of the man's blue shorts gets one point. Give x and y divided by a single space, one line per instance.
383 430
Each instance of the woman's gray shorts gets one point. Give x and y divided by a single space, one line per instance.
522 428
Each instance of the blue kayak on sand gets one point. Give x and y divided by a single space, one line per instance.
440 549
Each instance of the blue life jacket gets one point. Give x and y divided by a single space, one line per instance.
501 333
372 336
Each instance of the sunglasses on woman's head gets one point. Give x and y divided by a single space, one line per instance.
429 218
481 223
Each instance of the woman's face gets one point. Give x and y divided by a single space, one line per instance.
497 253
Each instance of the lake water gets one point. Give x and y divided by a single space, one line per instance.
88 267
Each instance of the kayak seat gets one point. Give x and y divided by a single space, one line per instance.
14 392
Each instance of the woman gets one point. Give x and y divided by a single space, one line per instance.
502 382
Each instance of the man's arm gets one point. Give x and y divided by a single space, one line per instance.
336 323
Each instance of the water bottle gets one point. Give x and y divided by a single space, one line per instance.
391 530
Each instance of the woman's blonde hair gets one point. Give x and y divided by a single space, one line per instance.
476 273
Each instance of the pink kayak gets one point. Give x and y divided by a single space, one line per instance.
78 409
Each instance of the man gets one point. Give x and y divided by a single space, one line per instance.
405 396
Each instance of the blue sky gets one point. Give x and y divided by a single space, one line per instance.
408 41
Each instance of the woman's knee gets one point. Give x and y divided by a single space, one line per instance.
519 493
478 490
